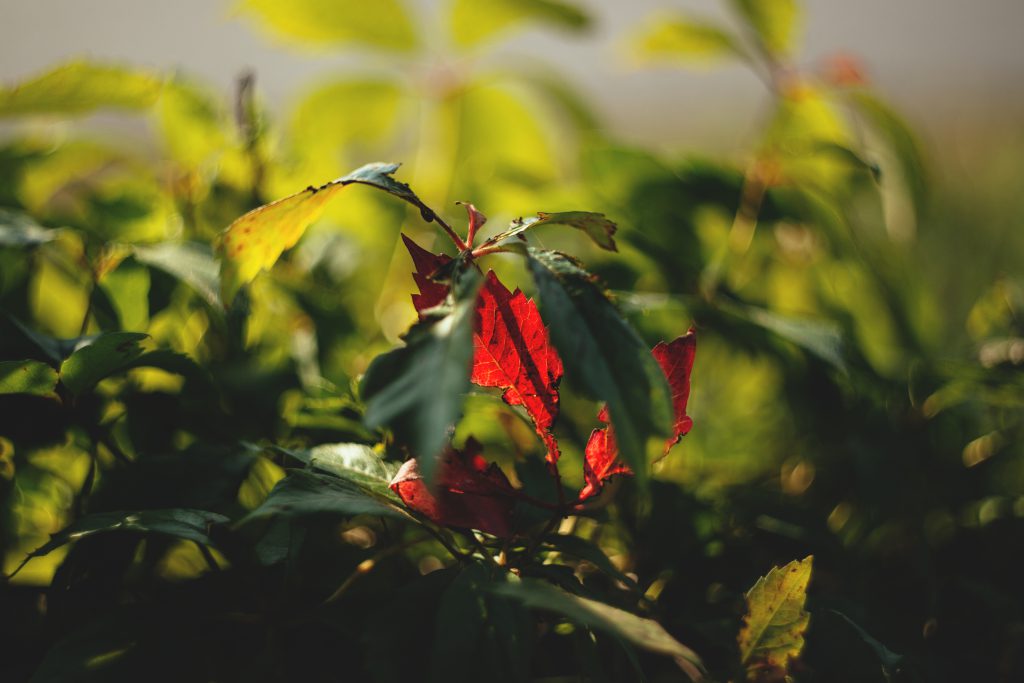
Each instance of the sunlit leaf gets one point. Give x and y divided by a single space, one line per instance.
597 227
115 352
474 22
383 24
193 122
352 462
20 230
417 390
80 87
678 38
644 633
603 354
774 626
254 241
27 377
776 22
303 493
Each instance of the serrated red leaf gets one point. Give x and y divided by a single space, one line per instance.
601 458
512 352
470 492
431 293
511 348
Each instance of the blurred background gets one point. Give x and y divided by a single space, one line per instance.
830 192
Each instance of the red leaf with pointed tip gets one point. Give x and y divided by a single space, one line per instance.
470 493
511 348
601 458
512 352
431 293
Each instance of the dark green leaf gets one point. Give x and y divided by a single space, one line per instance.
352 462
27 377
585 550
189 525
822 338
644 633
303 493
604 354
418 389
54 349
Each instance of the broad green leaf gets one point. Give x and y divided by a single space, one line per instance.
191 262
27 377
597 227
900 140
80 87
352 462
418 389
189 525
474 22
193 123
115 352
678 38
55 349
774 626
776 22
303 493
383 24
127 287
890 661
822 338
583 549
603 354
644 633
256 240
20 230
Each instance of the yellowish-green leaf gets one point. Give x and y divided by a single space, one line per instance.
776 22
474 22
255 241
27 377
681 39
383 24
193 122
774 626
80 87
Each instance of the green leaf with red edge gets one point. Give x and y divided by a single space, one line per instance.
511 348
469 492
601 458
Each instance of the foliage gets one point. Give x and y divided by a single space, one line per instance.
231 450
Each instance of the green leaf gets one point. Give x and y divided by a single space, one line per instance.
900 140
583 549
303 493
20 230
774 626
382 24
678 38
114 352
55 349
193 124
644 633
604 354
418 389
256 240
822 338
27 377
80 87
474 22
189 525
596 225
775 21
191 262
353 462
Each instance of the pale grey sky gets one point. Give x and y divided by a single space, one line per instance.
942 61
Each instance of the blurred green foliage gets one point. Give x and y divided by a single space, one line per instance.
857 396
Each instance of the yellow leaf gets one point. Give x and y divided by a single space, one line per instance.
672 38
80 87
774 626
474 22
775 21
381 23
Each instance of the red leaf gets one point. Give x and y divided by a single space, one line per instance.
601 459
431 293
511 346
512 352
470 493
